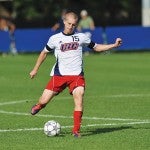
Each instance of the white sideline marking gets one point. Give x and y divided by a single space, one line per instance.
22 101
89 125
27 100
13 102
67 117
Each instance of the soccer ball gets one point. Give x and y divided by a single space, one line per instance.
52 128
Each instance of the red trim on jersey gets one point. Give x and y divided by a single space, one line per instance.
59 83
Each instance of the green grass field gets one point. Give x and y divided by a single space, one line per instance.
116 105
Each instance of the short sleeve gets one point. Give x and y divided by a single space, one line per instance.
50 43
86 40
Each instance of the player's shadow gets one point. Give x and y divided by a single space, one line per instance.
104 130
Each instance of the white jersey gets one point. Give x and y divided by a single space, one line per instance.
68 52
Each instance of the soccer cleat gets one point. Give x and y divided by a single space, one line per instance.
36 108
76 134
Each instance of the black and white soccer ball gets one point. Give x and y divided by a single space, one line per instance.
52 128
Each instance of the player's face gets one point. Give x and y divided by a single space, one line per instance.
70 24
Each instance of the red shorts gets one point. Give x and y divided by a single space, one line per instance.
59 83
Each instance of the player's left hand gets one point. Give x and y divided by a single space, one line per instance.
118 42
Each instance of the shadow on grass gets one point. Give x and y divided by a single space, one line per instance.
104 130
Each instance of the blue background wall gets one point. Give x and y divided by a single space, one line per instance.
134 37
31 40
34 40
4 41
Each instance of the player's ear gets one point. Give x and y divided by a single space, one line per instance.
64 21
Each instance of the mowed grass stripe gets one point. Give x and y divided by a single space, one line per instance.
117 87
119 95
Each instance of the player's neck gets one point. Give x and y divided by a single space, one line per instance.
68 33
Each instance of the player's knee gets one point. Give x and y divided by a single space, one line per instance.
78 91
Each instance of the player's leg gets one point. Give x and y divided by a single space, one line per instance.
54 86
77 87
43 100
78 94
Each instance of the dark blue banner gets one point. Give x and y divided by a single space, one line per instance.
34 40
134 37
4 41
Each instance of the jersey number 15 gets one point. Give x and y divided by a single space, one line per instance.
75 38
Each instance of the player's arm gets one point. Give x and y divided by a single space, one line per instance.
105 47
39 61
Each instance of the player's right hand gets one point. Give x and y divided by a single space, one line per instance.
33 74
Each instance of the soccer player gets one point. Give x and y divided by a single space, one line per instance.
68 69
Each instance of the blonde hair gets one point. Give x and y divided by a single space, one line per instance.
71 14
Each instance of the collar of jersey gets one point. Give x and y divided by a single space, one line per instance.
68 34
